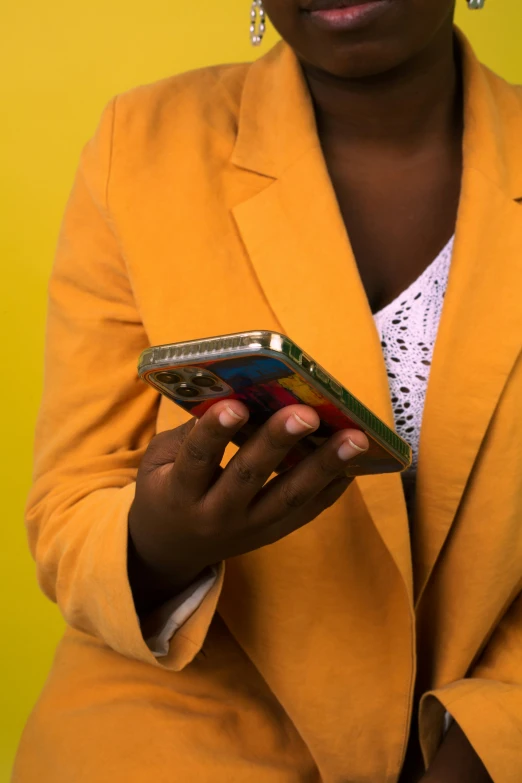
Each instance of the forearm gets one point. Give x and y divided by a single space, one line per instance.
456 761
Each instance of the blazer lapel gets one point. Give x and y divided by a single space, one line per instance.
293 232
480 333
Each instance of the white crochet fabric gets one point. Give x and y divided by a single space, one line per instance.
408 328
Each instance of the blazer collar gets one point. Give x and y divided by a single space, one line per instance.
493 124
480 334
276 120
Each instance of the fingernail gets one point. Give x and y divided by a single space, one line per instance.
229 418
295 425
348 450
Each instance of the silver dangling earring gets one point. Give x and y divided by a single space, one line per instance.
257 22
476 5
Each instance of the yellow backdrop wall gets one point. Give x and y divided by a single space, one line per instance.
60 63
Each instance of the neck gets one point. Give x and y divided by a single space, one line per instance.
403 107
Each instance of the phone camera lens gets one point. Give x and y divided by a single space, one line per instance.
216 388
204 381
187 391
168 377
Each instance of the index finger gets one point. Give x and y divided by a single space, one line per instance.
202 450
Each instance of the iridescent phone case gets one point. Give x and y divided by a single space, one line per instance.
267 371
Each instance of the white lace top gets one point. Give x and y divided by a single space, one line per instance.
408 328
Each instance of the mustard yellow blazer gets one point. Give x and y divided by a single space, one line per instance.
197 207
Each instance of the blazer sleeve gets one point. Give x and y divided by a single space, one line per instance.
95 422
488 704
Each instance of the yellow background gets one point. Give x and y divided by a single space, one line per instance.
60 62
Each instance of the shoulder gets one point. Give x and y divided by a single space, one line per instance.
192 117
507 94
505 124
179 121
201 101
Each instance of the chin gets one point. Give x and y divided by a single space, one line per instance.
361 61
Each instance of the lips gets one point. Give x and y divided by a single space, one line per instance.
345 16
330 5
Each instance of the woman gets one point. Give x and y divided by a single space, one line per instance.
352 630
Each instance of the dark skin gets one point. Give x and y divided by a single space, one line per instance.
389 117
417 219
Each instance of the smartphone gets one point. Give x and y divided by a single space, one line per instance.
267 371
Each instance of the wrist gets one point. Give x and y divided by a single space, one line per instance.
152 586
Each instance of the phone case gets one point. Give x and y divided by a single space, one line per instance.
268 371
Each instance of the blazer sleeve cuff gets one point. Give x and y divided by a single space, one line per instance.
159 628
489 712
99 600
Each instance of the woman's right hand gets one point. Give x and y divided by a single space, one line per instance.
189 514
